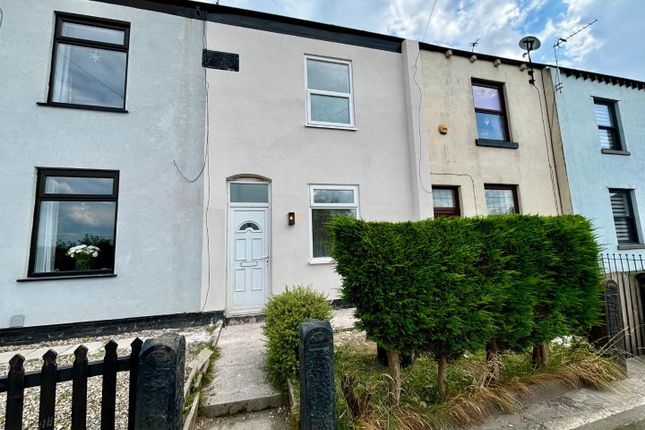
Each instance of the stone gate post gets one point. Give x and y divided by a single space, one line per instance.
317 389
160 394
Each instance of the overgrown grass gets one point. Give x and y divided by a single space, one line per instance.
206 379
472 394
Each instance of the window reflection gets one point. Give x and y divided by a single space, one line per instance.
64 225
90 62
75 223
89 76
78 185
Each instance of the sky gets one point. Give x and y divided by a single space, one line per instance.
609 46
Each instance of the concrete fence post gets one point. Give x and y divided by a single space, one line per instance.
317 389
160 383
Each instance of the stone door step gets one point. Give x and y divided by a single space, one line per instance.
235 406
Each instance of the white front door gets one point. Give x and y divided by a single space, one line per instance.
248 259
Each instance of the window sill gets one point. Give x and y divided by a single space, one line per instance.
83 107
615 151
333 127
496 143
626 246
316 261
66 277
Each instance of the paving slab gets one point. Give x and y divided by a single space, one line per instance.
343 319
584 409
36 354
240 383
269 419
5 357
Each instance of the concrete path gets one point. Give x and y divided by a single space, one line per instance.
240 382
270 419
585 409
343 319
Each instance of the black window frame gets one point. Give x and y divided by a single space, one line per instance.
631 219
503 113
41 195
512 188
62 17
453 211
615 129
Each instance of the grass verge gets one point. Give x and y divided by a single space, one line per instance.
362 386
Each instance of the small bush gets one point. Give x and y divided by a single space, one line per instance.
283 315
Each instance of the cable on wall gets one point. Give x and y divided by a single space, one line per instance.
472 182
416 81
548 118
556 189
207 167
174 162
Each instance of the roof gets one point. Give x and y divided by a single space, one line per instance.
332 33
608 79
266 21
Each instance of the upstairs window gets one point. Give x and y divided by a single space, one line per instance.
89 62
327 201
445 201
329 92
623 210
607 125
490 112
501 199
74 222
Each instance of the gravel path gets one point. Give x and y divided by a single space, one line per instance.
196 340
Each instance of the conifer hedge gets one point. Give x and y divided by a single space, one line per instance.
443 286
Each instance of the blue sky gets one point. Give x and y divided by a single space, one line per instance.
610 46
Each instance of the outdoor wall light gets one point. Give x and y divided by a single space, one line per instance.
291 216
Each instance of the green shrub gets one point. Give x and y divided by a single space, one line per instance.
449 285
283 315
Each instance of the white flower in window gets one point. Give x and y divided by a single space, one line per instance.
83 255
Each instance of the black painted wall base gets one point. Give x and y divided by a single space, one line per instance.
26 335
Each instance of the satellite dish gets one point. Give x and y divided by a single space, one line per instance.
530 43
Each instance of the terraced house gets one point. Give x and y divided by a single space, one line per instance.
306 121
175 159
601 134
488 135
97 102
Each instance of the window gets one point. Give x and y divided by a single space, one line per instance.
89 62
501 199
329 92
74 222
490 112
607 125
445 201
327 201
623 210
243 192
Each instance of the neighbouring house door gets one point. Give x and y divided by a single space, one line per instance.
248 259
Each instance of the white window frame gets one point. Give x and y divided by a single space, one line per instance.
312 205
349 96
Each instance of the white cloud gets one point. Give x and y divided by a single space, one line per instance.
498 25
610 46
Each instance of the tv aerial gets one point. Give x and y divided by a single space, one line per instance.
558 44
530 43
